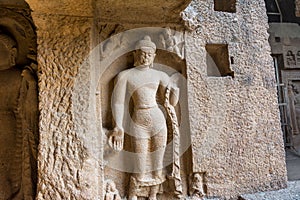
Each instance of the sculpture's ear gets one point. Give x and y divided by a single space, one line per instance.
135 58
13 56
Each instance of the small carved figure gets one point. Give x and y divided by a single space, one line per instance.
298 58
111 43
197 186
111 192
107 48
19 124
169 42
290 58
147 127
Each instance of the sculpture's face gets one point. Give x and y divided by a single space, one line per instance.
7 56
145 56
197 178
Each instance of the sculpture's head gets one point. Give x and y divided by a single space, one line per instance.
8 52
110 186
197 178
145 52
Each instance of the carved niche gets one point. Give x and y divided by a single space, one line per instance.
291 57
143 109
18 102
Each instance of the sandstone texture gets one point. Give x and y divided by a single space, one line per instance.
144 12
290 193
233 122
64 43
236 136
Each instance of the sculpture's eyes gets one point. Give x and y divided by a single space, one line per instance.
147 54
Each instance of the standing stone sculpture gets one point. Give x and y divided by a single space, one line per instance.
19 124
291 93
146 124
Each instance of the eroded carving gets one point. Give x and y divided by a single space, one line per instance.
109 46
190 18
108 43
19 124
111 192
290 58
197 189
147 127
294 107
18 22
18 103
172 42
108 30
112 44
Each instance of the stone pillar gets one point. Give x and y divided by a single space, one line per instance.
68 168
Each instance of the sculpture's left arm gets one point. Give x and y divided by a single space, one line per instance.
174 95
168 83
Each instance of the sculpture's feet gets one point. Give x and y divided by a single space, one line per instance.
158 173
153 193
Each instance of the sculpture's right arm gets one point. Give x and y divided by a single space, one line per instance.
118 100
116 139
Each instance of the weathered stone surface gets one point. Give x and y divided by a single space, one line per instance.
234 122
144 12
236 138
78 8
66 167
292 192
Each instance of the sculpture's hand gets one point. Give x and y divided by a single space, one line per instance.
116 139
174 96
27 74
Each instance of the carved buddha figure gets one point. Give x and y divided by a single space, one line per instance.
147 125
18 125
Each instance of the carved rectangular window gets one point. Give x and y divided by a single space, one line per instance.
225 5
217 60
